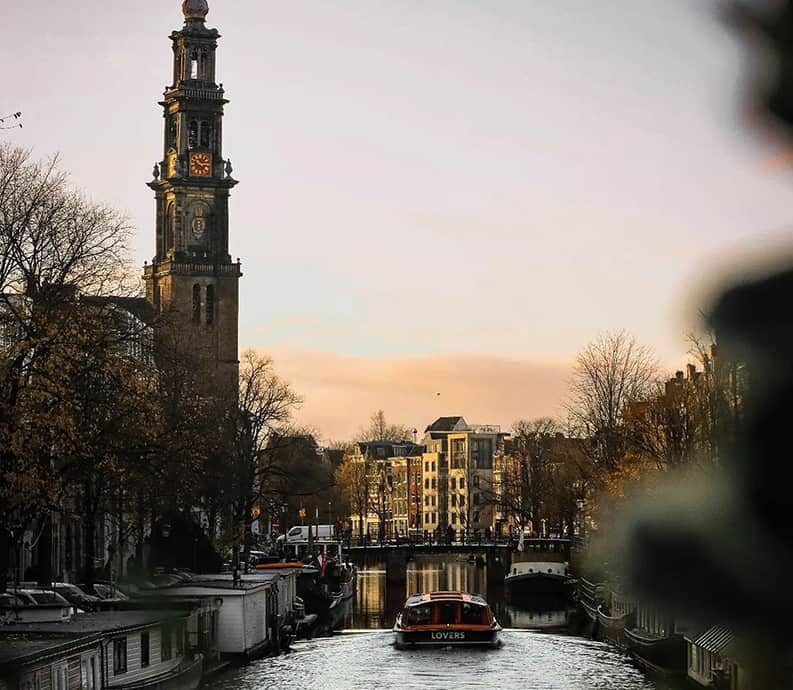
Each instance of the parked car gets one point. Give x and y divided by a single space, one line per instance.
23 597
76 596
45 597
10 601
107 590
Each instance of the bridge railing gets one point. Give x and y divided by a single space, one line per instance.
458 538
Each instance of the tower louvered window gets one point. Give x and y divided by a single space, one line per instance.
196 303
210 304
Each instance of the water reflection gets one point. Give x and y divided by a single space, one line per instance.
377 602
369 661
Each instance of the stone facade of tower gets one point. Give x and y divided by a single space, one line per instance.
192 281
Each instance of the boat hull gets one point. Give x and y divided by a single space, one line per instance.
666 656
406 639
537 583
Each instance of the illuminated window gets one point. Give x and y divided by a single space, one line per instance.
194 65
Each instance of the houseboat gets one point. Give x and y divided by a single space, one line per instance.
540 566
614 614
243 612
528 577
591 594
446 618
657 642
116 650
712 662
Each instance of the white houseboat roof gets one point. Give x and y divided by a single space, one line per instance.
18 649
102 622
225 584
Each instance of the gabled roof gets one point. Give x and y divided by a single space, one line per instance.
371 447
139 307
447 424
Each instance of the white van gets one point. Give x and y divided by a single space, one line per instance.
318 532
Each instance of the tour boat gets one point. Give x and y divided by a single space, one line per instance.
446 618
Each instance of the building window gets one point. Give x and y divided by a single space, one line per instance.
194 65
426 467
454 518
462 482
427 483
433 483
180 635
59 676
454 500
144 649
476 499
453 482
166 646
196 303
433 465
210 308
89 673
120 655
476 480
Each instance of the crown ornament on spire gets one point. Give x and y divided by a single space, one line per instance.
195 10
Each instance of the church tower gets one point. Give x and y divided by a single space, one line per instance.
192 280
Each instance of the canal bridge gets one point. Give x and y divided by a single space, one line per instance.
497 555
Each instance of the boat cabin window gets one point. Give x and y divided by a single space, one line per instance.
419 615
473 614
447 613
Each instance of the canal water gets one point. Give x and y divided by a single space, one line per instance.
540 649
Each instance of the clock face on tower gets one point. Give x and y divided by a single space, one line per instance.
201 164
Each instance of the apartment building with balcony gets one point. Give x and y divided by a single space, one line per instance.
458 473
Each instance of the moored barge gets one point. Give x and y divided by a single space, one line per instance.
446 618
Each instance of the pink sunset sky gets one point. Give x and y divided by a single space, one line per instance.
437 196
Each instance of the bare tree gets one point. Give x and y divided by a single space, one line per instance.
610 374
356 478
265 409
721 390
380 430
55 247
